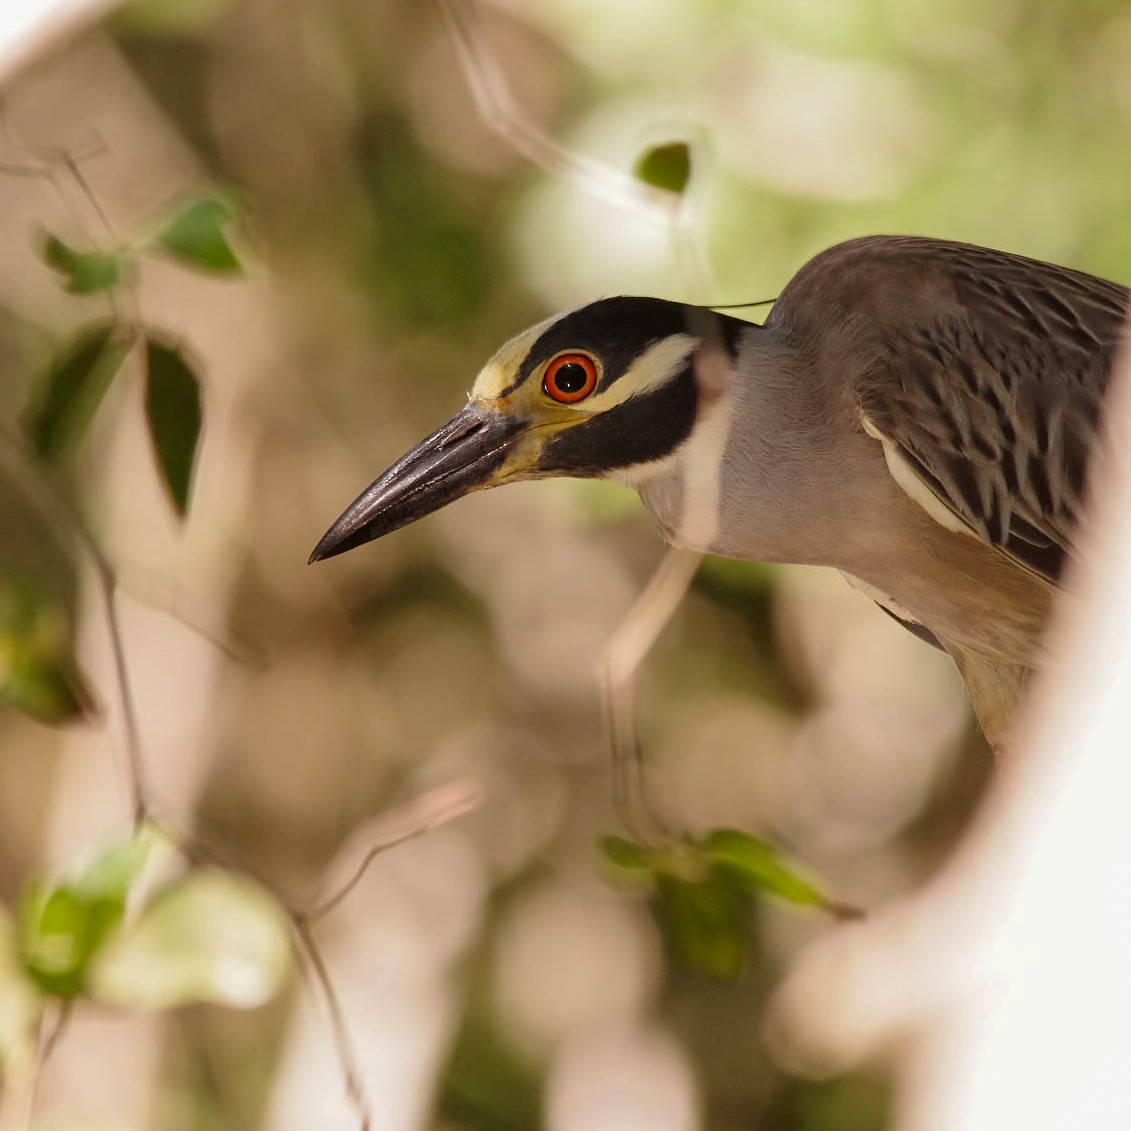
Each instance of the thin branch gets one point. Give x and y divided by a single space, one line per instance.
51 501
140 584
22 1080
61 517
71 163
62 170
311 965
54 1032
315 966
46 165
620 662
501 113
31 161
418 816
689 255
387 830
135 762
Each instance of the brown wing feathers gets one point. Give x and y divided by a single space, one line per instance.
987 371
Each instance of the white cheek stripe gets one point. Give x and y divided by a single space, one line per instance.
702 459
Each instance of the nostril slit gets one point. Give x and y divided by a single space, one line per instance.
468 428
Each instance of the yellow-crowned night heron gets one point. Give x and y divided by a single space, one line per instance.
916 413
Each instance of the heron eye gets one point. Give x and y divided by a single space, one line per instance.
570 377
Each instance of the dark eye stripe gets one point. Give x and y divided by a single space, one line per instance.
618 330
645 428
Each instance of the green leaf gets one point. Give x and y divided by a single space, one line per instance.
666 167
84 272
757 864
707 924
38 672
626 853
213 936
173 413
112 873
73 387
194 234
60 933
64 925
50 923
488 1085
50 692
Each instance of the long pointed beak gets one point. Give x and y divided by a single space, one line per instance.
455 460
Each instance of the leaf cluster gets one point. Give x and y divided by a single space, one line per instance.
205 936
194 233
703 892
38 672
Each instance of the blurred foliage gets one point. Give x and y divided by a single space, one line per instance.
429 263
207 936
666 166
485 1085
64 924
79 376
195 234
172 408
84 272
403 241
703 891
73 388
38 671
210 937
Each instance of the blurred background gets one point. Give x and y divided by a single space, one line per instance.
492 973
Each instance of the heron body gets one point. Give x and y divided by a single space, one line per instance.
915 413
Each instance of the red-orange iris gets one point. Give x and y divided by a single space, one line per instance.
570 377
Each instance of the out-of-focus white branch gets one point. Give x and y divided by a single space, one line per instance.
1007 982
500 112
29 28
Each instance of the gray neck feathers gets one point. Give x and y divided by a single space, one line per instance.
772 466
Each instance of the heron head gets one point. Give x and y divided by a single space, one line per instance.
604 390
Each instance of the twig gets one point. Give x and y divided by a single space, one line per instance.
500 112
54 1032
47 166
135 761
60 517
71 164
620 662
421 815
343 1043
22 1080
310 963
416 817
140 584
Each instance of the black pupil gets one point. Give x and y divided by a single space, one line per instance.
570 378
